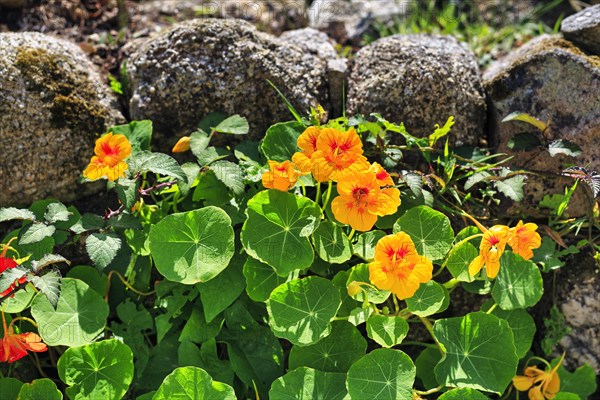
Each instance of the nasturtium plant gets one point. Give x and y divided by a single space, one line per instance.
277 230
99 370
331 354
301 310
192 383
308 383
382 374
475 362
335 259
194 246
79 317
387 330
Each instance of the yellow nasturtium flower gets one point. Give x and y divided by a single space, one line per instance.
523 238
182 145
280 176
361 200
110 152
336 153
307 142
491 249
398 267
541 385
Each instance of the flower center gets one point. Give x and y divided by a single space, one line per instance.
108 150
359 192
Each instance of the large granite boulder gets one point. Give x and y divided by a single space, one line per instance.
583 29
547 78
420 80
54 104
347 21
208 65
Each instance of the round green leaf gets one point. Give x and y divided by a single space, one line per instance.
335 353
458 262
428 299
261 279
462 394
387 331
193 383
10 387
281 141
430 230
101 370
331 244
519 283
301 310
480 352
306 383
360 273
521 324
382 374
38 389
91 276
581 382
365 245
277 230
194 246
425 363
21 300
79 317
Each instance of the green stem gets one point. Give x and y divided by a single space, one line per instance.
303 187
396 305
429 327
127 285
456 246
318 197
351 234
327 195
451 283
430 391
492 308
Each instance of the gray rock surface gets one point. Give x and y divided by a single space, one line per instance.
548 78
349 20
208 65
583 29
578 298
53 105
311 41
420 80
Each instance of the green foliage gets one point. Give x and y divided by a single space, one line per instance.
476 362
201 284
382 374
98 370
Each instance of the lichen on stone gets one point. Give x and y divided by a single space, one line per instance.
66 89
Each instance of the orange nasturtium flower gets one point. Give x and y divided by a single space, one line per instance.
110 153
307 142
541 384
280 176
182 145
337 152
14 346
398 267
491 249
383 177
523 238
361 200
